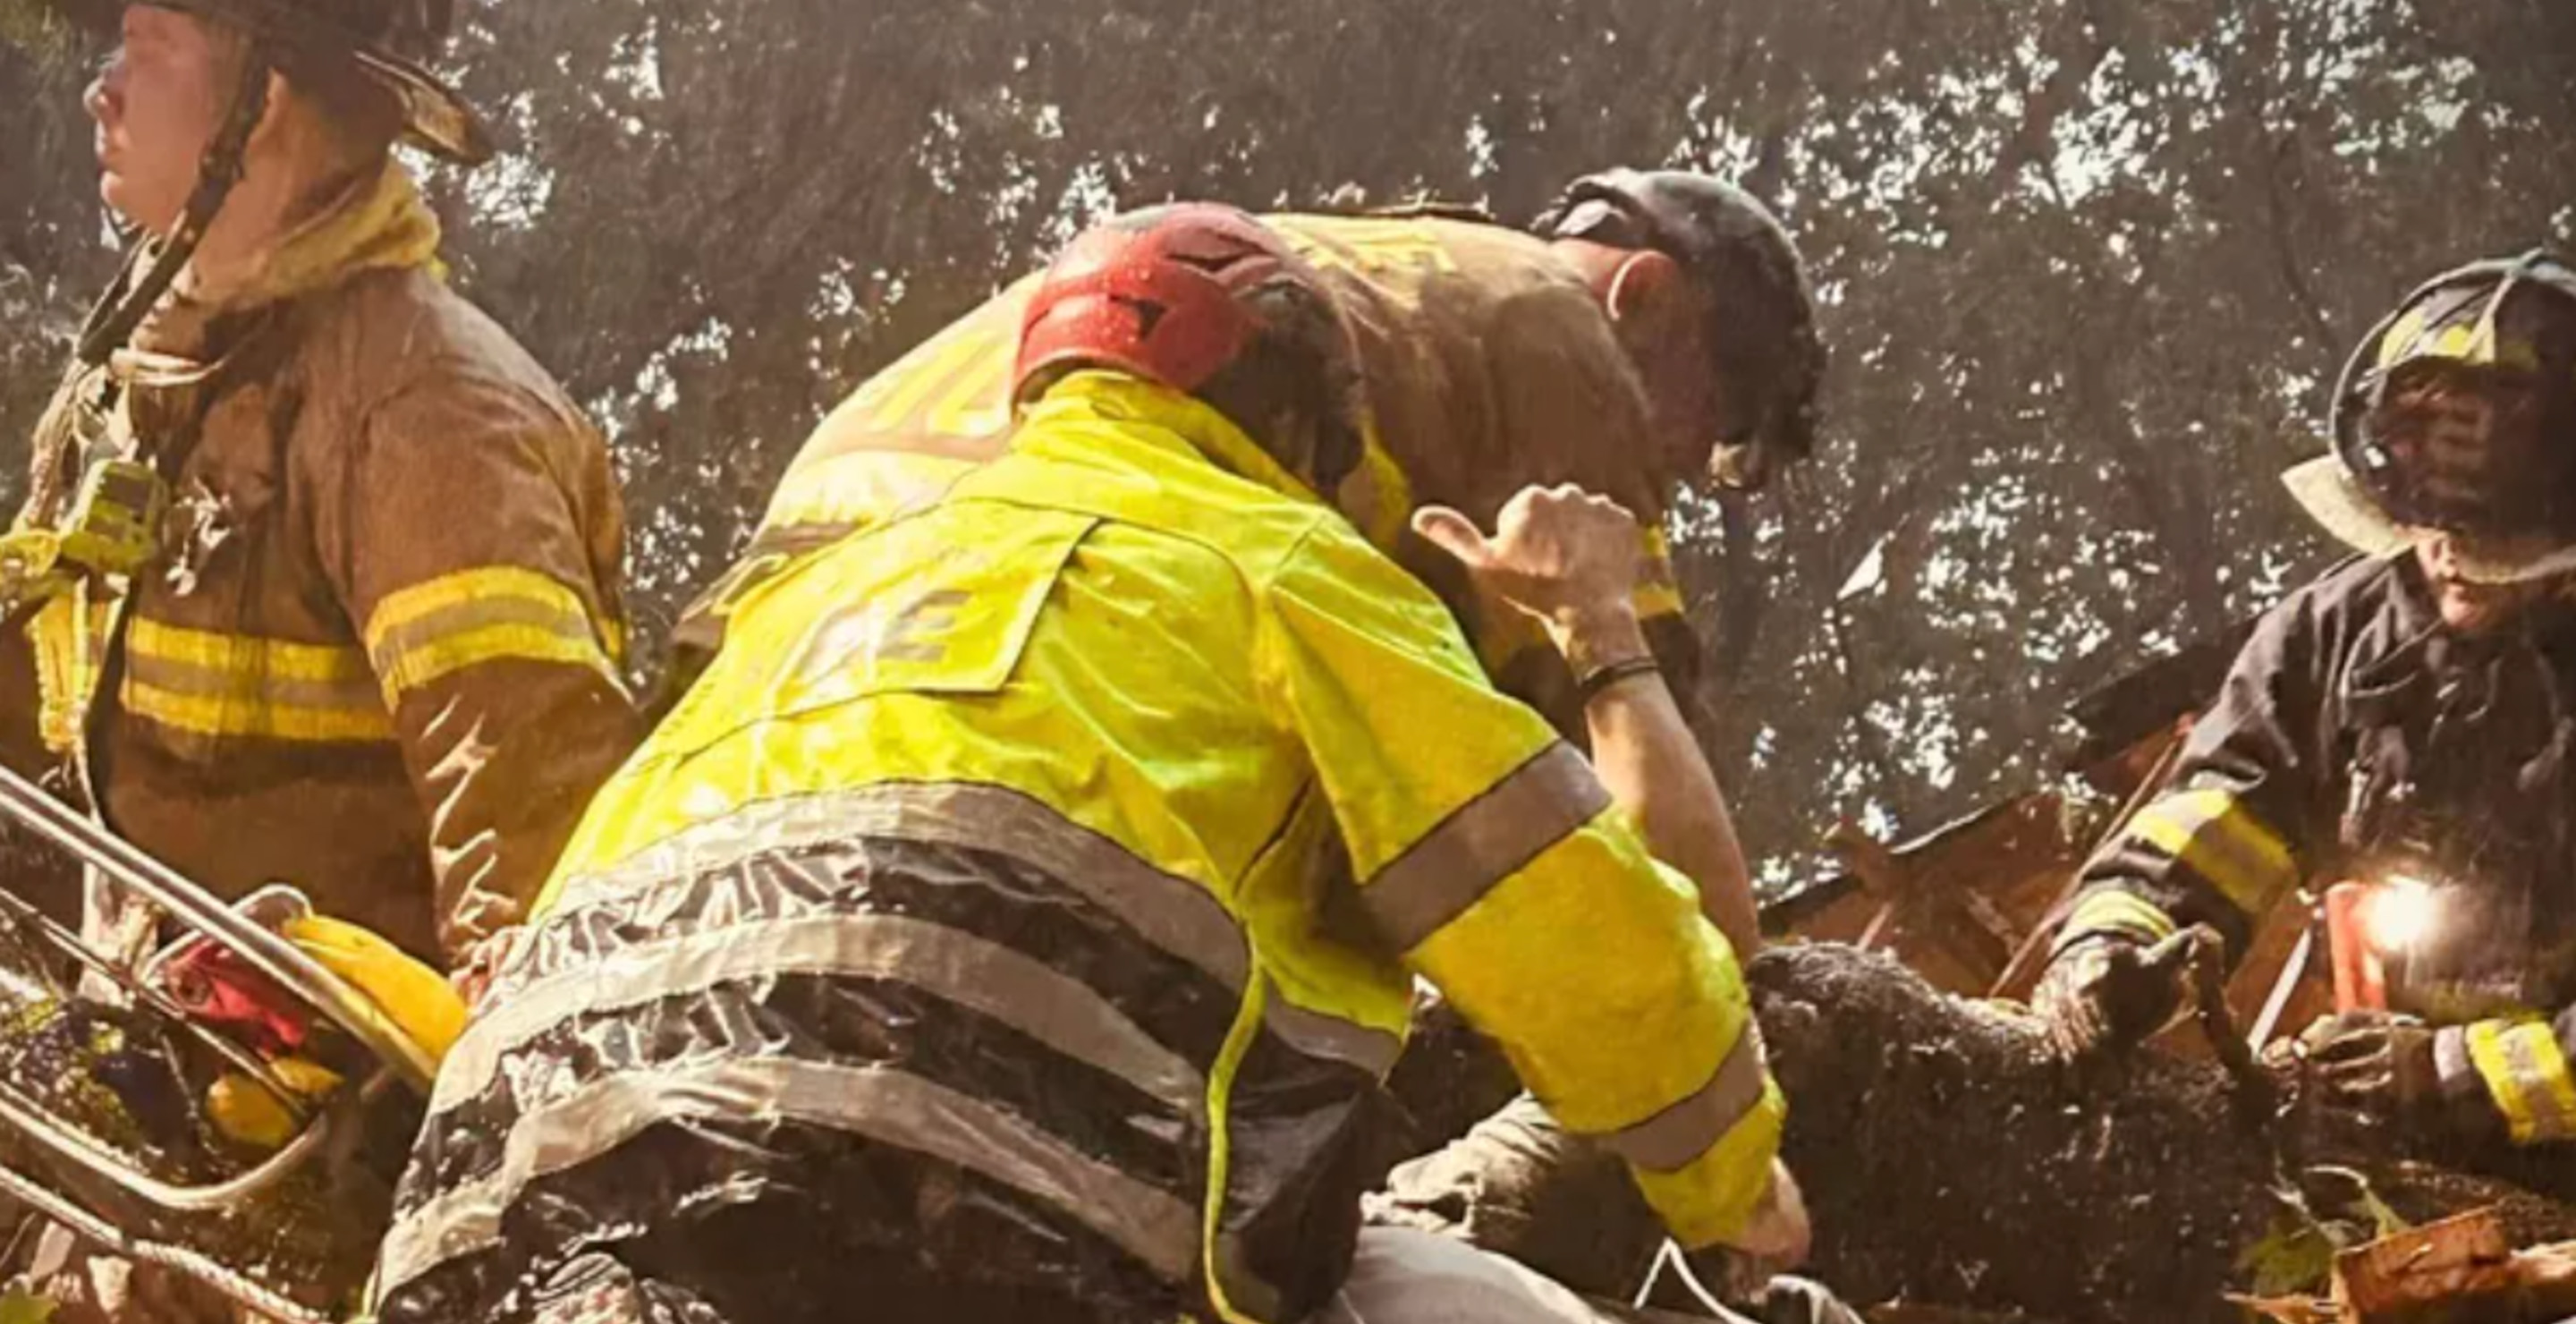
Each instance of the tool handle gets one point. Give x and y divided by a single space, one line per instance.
2360 976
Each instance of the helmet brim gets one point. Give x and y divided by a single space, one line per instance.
2327 490
436 118
2331 496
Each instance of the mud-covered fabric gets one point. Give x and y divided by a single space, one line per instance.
377 657
901 1040
1558 1210
1521 1186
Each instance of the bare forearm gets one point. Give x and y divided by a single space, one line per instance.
1646 756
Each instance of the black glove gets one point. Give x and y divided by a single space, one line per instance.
2107 993
2369 1082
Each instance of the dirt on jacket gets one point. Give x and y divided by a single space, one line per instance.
378 654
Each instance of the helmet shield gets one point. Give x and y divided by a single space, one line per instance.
2458 416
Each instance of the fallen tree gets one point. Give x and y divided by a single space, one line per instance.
1949 1159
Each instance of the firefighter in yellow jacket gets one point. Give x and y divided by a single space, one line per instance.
318 576
1016 920
1655 330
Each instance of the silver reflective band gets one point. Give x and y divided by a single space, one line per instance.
1173 913
1486 841
1672 1139
880 1104
955 966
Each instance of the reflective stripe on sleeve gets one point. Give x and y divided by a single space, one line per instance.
2111 910
2526 1073
2213 834
1488 840
498 613
1674 1138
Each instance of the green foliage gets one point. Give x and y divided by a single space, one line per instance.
2297 1256
2087 263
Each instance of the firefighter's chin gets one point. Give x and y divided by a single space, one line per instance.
2468 606
2475 608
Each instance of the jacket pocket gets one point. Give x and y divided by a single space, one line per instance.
942 606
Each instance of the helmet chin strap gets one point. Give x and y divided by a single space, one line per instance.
113 322
88 389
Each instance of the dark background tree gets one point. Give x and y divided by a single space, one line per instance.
2088 266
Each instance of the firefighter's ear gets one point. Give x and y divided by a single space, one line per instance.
1645 286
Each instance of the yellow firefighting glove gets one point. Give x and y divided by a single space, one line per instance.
417 999
244 1111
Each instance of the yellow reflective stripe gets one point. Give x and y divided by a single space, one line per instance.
214 684
493 643
431 630
199 715
67 635
2211 833
231 717
1675 1138
1713 1198
244 655
2526 1073
2114 911
1486 841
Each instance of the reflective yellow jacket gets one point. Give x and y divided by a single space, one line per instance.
1487 366
1186 695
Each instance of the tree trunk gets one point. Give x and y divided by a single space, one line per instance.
1949 1160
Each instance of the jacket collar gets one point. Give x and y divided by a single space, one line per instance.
1147 414
379 223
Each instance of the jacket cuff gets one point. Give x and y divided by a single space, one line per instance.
2456 1074
2117 915
2521 1072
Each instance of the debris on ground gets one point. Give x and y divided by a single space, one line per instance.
1951 1162
2462 1270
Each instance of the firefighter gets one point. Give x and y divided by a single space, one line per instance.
1016 919
1656 330
317 578
2405 716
